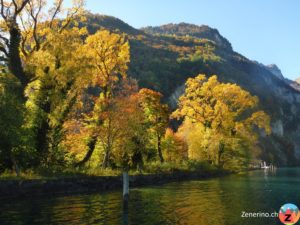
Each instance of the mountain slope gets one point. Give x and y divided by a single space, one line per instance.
162 58
186 29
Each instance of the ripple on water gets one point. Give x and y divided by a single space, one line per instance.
214 201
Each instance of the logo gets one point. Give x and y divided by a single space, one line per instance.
289 214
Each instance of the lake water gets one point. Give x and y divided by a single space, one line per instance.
218 201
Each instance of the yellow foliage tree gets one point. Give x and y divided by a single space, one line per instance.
221 121
106 56
174 147
156 116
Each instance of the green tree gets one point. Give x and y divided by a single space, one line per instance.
11 119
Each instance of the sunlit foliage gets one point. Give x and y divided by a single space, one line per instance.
221 121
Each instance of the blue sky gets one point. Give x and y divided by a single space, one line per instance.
264 30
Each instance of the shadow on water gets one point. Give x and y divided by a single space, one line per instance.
216 202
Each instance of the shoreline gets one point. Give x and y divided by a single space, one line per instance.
94 184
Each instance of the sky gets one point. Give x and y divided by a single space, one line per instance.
267 31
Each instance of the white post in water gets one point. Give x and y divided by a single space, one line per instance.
125 187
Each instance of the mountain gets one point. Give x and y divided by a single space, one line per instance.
186 29
275 70
163 57
96 22
297 80
294 84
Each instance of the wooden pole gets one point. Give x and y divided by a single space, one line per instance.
125 189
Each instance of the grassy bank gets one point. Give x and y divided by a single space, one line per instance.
97 180
149 168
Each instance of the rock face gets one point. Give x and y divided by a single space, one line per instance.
162 58
294 84
275 70
277 128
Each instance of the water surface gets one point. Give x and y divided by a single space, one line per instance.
218 201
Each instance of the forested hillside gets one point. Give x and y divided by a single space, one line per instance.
164 57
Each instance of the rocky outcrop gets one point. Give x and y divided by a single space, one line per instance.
275 70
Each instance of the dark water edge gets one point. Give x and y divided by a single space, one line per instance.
79 185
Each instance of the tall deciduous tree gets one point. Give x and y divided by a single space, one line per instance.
220 119
50 97
22 28
31 49
157 116
107 56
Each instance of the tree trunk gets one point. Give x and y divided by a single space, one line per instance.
42 138
108 148
91 146
220 153
159 149
14 59
106 158
43 131
16 167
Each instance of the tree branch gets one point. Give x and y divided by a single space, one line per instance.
56 11
18 10
2 10
34 17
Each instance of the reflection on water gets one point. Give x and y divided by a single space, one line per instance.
214 202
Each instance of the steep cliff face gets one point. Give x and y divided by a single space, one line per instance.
162 58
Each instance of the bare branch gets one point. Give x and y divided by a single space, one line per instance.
35 17
18 10
2 10
16 7
56 11
70 16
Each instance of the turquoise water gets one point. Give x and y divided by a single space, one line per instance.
218 201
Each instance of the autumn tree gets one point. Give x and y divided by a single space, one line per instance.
106 57
132 128
157 116
174 147
22 30
221 120
50 97
29 30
